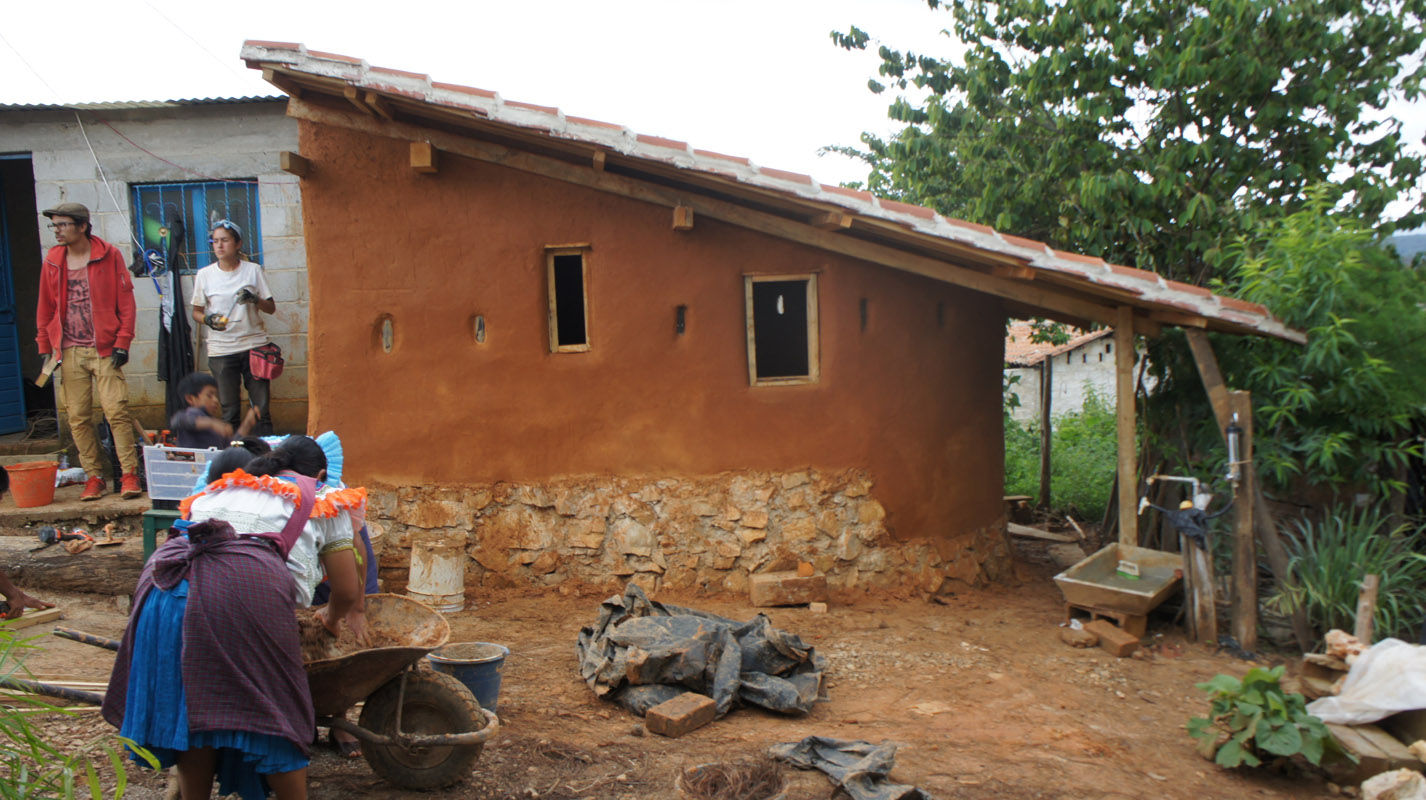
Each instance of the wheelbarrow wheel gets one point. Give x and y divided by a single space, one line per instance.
435 703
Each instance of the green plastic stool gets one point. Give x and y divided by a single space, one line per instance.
156 519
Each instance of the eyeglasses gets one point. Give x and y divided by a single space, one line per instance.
59 226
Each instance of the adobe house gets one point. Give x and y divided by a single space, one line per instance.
589 355
1061 378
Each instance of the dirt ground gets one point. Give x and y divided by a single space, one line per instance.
980 694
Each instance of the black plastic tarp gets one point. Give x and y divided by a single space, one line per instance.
641 653
861 769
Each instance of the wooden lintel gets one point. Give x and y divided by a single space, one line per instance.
682 218
379 105
597 160
1124 415
293 163
1013 272
1045 300
1179 318
282 82
424 157
832 221
353 96
1147 327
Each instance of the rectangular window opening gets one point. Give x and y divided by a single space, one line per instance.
569 305
197 204
782 329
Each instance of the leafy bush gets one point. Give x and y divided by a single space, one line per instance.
31 768
1253 718
1330 557
1083 457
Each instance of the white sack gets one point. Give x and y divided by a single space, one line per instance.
1389 677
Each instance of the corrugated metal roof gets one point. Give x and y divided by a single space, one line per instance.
1111 282
128 105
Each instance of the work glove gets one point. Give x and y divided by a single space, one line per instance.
120 357
215 321
246 295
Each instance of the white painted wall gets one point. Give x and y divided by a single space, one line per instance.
1076 374
202 142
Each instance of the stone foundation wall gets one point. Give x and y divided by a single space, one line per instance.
703 534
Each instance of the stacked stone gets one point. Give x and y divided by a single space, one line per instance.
703 534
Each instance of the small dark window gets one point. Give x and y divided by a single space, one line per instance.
569 330
782 329
1108 348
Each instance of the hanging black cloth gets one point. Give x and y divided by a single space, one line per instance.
175 335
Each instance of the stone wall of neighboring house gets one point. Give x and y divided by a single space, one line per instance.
705 535
219 140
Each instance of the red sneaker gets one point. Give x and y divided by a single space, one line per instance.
93 489
129 486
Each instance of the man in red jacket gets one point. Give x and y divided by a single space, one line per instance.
86 312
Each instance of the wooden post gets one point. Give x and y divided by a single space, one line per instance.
1262 515
1124 413
1366 608
1202 613
1245 551
1046 373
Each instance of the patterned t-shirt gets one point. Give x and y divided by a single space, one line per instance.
78 313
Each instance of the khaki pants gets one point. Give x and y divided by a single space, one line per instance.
83 375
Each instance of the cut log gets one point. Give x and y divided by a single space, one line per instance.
111 571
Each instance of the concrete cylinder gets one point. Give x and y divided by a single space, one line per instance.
438 570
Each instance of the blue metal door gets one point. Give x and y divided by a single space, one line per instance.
12 392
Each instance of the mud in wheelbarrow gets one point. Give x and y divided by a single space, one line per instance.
419 729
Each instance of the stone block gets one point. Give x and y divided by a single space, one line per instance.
1112 638
545 563
871 511
800 529
858 487
755 519
786 589
792 480
631 537
431 513
752 535
817 608
702 508
1078 638
805 570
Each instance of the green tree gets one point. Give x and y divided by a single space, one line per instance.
1152 132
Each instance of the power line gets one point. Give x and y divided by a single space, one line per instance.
226 64
32 70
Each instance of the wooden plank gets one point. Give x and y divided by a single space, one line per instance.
35 618
1407 726
1245 551
1179 319
283 82
1035 533
1047 371
1198 588
293 163
424 158
1366 608
831 221
1048 301
1015 272
1124 414
1263 521
682 218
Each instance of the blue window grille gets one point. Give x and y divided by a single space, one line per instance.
199 204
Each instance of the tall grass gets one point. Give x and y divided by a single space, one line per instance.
31 768
1330 557
1083 457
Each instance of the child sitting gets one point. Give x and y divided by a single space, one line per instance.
201 425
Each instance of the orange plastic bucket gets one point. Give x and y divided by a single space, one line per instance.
32 483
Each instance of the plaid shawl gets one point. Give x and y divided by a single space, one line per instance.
242 662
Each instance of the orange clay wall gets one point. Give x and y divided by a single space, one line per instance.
916 403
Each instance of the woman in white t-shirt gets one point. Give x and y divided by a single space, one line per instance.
230 296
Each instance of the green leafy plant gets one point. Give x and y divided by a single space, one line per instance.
1253 718
1083 457
31 768
1330 556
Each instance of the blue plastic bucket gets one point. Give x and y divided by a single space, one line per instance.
477 665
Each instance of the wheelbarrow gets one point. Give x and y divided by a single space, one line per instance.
419 729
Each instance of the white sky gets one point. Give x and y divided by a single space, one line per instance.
754 78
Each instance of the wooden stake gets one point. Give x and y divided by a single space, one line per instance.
1262 515
1124 413
1366 608
1198 588
1047 370
1245 551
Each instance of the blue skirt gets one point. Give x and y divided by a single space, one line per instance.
156 714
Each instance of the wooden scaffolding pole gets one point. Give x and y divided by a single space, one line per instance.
1124 416
1264 523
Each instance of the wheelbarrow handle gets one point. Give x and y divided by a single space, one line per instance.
50 690
87 638
492 726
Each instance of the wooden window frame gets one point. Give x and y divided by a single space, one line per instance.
814 368
551 251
